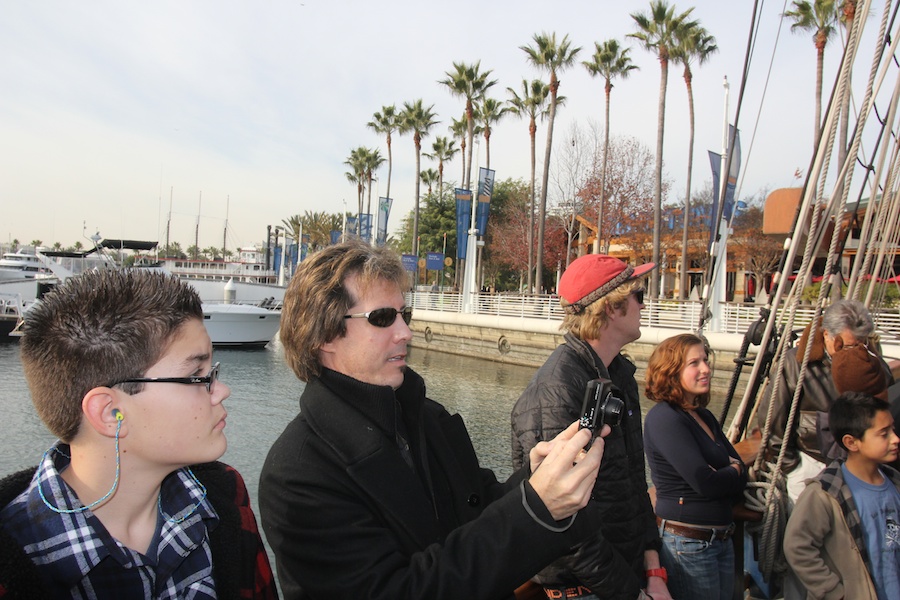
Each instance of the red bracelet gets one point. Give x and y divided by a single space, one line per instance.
660 572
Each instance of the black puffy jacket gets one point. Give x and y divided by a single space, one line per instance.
612 563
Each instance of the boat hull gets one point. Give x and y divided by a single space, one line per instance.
240 325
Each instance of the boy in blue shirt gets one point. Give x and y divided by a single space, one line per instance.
843 537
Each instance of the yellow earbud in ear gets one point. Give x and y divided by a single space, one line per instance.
118 414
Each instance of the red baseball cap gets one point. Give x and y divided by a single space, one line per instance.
592 276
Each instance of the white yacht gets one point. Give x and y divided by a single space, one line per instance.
20 265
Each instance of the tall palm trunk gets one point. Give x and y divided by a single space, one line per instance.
820 62
470 126
369 206
415 241
441 180
387 193
532 130
359 192
600 248
542 212
657 184
462 154
848 8
682 292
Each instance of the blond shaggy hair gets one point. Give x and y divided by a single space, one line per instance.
588 324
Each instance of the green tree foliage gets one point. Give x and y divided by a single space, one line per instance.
172 250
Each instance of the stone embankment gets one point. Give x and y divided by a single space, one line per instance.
528 342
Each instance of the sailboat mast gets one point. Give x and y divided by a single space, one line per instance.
169 219
197 228
225 229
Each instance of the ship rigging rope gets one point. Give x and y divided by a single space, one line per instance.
767 493
762 100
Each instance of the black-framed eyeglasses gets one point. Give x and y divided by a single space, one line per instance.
383 317
638 295
208 380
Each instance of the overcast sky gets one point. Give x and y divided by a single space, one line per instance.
249 109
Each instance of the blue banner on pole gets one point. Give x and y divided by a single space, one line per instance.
276 258
410 262
365 232
335 236
485 191
434 261
384 211
351 225
715 163
463 221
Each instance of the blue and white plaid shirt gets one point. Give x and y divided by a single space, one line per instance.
78 558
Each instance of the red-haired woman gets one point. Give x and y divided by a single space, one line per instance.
697 473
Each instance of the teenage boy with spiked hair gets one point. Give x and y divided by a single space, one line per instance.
129 503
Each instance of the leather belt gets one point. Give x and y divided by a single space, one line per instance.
697 533
558 593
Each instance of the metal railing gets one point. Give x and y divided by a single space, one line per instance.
675 314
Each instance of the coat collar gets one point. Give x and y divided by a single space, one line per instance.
817 352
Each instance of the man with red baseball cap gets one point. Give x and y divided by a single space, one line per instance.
602 298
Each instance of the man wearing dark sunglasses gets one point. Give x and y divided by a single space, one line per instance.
602 298
374 491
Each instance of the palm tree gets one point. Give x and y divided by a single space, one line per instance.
467 81
847 12
547 55
442 150
609 61
419 120
372 161
318 227
656 31
533 104
429 177
293 226
489 112
821 18
357 174
693 43
386 122
459 129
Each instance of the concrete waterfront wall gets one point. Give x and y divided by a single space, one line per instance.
528 342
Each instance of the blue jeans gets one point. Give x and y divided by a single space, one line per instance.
698 568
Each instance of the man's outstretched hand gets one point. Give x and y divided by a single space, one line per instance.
562 473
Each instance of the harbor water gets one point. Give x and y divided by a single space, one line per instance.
264 398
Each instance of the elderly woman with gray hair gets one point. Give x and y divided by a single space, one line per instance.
845 323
